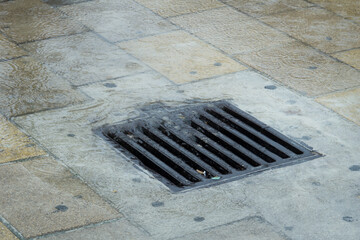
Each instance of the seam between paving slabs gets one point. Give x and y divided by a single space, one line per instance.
319 6
306 44
11 228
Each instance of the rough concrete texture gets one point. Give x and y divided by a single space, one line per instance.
41 196
78 58
29 20
69 67
118 20
328 32
6 234
250 228
14 144
168 8
181 57
27 85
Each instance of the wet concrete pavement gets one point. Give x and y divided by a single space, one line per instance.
70 66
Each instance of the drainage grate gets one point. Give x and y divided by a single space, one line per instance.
204 145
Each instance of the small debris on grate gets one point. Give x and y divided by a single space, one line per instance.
203 144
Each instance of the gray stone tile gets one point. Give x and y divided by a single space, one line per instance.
41 196
118 20
84 58
28 86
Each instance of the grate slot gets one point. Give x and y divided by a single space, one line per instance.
236 137
149 160
272 135
241 152
177 151
221 169
167 158
250 133
221 154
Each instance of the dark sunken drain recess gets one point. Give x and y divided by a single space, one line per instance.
205 144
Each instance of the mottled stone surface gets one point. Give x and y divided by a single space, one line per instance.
27 85
351 57
14 144
266 7
251 228
6 234
118 20
349 9
41 196
85 58
168 8
317 27
29 20
230 30
302 68
181 57
346 103
9 50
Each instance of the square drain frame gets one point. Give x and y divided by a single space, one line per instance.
204 144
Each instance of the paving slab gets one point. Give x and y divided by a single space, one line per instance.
346 103
41 196
14 144
118 20
351 57
6 234
9 50
231 31
84 58
169 8
181 57
346 8
250 228
119 230
30 20
319 28
259 8
303 200
27 85
57 3
303 68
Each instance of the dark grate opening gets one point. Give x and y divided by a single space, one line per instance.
205 144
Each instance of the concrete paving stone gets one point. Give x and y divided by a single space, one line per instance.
320 192
303 68
119 230
230 30
84 58
170 8
351 57
250 228
347 8
181 57
28 86
259 8
41 196
29 20
14 144
346 103
57 3
9 50
118 20
6 234
317 27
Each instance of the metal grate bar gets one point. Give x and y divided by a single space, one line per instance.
199 153
229 144
263 128
150 160
256 136
239 138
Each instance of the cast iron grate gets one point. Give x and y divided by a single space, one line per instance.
204 144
